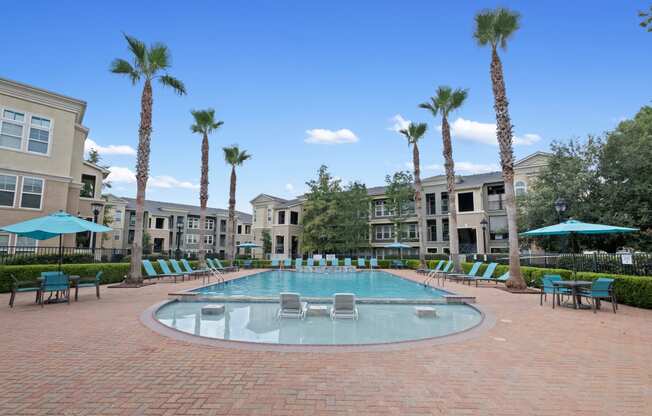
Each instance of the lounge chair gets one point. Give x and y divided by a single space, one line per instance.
464 276
291 306
438 274
177 269
602 288
486 276
310 262
322 262
287 263
189 269
55 282
348 266
344 306
166 270
436 269
548 288
361 262
95 282
23 287
298 263
152 274
373 263
227 269
275 264
335 262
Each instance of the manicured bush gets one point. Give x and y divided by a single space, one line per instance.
112 272
47 259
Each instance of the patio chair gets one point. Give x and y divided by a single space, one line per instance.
291 306
335 262
485 277
275 264
373 263
361 262
439 274
287 263
177 269
23 287
166 270
95 282
397 264
189 269
602 288
347 262
310 262
227 269
322 262
440 263
464 276
55 282
548 287
344 306
298 263
151 272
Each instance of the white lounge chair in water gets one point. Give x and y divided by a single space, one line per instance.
291 306
344 306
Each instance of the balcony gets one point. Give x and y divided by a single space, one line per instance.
495 202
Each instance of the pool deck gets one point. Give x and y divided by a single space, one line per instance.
95 357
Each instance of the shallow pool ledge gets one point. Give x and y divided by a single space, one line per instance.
453 299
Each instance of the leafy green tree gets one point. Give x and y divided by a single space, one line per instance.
93 156
646 19
320 213
204 125
267 242
352 221
234 157
147 64
494 28
400 200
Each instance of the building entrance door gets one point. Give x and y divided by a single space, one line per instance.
467 238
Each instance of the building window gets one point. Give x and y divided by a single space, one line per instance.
247 229
381 209
4 243
431 250
132 218
159 223
7 190
208 240
269 215
432 230
520 188
255 215
222 240
193 223
32 193
116 236
88 186
444 230
465 201
281 217
25 245
280 244
222 226
384 232
11 131
130 236
498 228
117 215
192 238
410 232
431 206
39 135
294 218
495 197
239 229
210 223
444 202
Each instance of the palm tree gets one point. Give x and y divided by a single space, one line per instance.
445 101
149 64
234 157
205 124
494 28
413 133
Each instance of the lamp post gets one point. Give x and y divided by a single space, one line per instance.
179 233
560 206
95 207
484 223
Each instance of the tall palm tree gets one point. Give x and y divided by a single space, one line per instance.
234 157
148 63
494 28
205 124
413 133
446 100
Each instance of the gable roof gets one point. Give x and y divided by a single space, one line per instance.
164 208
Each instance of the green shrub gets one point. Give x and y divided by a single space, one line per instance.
112 272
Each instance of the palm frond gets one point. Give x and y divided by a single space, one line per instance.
431 106
495 27
417 131
506 24
120 66
457 98
158 57
234 156
139 50
175 84
205 121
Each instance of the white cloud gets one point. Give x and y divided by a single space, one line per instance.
112 149
121 174
398 123
485 133
325 136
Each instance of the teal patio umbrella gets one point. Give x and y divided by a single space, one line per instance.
399 247
54 225
571 228
248 245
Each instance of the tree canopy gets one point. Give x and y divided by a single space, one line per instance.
400 198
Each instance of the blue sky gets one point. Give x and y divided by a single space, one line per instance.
279 73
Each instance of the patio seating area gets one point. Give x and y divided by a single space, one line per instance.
98 358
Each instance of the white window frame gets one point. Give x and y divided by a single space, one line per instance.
210 224
117 215
6 249
384 210
29 250
22 192
16 189
23 124
192 238
49 130
209 239
193 223
384 232
27 126
523 188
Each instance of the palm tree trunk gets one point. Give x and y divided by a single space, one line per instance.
504 134
449 164
417 206
203 200
142 172
230 227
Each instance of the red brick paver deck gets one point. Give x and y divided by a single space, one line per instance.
97 358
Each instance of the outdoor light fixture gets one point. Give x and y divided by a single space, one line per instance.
484 223
95 207
179 232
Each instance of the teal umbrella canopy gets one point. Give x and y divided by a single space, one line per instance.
248 245
53 225
577 227
397 245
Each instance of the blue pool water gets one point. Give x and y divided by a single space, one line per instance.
364 284
257 322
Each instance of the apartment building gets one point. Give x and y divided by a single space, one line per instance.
481 217
42 167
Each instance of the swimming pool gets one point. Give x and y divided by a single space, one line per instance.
364 284
257 322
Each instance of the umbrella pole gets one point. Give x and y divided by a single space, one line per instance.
60 251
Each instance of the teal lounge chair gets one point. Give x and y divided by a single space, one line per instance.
373 263
55 282
436 269
177 269
347 262
166 270
335 262
361 262
95 282
275 264
189 269
151 272
322 262
23 287
298 263
287 263
310 262
464 276
486 276
438 274
227 269
602 288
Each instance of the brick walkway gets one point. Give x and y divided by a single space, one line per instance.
97 358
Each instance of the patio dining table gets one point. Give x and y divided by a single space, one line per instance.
574 286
